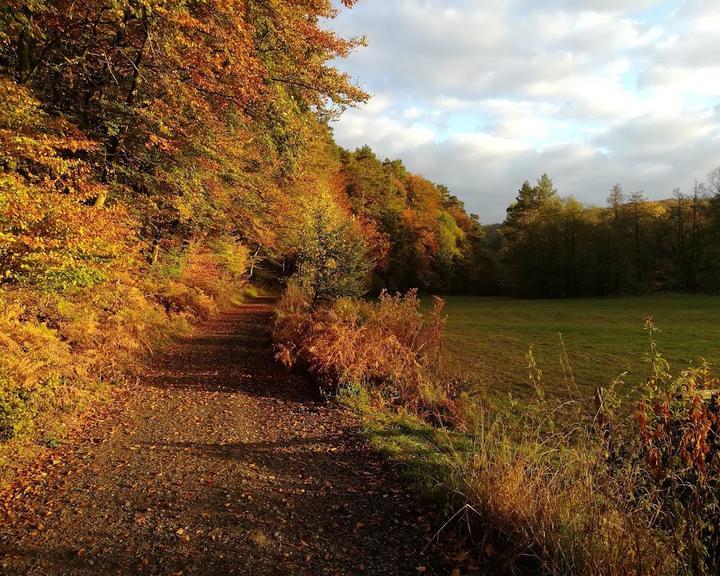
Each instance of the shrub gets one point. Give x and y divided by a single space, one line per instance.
548 502
51 237
602 492
389 347
332 256
679 430
234 257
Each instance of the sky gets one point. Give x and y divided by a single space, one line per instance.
481 95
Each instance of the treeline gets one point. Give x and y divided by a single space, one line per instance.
550 246
421 235
154 152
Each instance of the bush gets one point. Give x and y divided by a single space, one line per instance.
51 236
332 256
679 429
389 347
234 257
547 501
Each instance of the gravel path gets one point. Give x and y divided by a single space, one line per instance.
219 462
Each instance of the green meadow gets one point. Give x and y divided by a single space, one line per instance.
603 338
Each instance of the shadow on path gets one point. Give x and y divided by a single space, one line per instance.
221 463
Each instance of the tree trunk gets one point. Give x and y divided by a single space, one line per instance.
113 145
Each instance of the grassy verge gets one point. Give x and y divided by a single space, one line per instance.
524 502
427 455
584 486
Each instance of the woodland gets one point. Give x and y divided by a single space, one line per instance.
161 160
146 146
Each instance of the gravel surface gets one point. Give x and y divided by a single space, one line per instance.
218 462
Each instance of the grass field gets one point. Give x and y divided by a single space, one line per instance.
490 337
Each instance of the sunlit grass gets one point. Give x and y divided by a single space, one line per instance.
489 338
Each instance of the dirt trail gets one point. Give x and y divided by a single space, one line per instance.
220 463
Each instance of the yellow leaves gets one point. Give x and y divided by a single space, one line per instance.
48 231
184 536
52 231
656 209
19 107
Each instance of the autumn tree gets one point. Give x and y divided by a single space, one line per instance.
332 257
179 95
433 243
50 236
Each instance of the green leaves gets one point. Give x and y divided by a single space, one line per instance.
332 258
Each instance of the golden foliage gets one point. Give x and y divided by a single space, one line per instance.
388 346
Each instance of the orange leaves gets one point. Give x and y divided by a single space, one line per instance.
48 230
159 86
296 51
680 430
389 345
420 233
210 43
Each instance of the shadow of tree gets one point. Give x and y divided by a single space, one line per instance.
226 465
237 359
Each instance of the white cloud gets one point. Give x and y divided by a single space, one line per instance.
391 136
606 5
481 95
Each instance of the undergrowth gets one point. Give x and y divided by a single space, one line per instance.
61 350
612 484
389 348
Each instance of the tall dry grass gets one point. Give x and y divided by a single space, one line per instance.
587 486
388 347
548 501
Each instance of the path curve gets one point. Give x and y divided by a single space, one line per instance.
219 463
